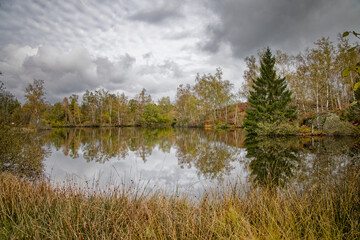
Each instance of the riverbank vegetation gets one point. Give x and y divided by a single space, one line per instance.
322 79
37 210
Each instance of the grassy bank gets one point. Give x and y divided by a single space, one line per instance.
39 211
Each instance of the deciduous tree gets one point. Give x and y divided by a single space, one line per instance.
35 100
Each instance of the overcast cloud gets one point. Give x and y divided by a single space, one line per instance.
289 25
124 46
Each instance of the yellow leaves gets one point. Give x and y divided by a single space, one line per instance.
353 103
346 72
356 86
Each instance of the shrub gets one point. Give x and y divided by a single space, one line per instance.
222 125
277 128
304 130
334 126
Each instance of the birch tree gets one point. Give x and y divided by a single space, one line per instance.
35 100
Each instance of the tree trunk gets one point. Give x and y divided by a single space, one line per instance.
79 116
327 97
303 105
236 113
101 111
332 99
317 107
118 116
339 102
352 85
226 113
110 110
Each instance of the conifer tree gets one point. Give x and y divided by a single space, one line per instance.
270 97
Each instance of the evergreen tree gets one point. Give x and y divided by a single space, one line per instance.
270 97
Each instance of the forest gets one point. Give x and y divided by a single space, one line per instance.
322 80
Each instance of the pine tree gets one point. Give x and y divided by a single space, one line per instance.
270 97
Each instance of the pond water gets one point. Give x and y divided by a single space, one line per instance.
189 160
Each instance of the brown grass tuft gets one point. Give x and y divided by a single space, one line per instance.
31 210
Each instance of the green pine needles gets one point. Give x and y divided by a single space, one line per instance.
270 99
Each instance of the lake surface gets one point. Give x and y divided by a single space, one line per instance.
189 160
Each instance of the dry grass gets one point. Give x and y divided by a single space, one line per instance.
38 211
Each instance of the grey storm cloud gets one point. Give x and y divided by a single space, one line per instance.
79 45
156 15
125 46
115 72
63 73
76 71
251 25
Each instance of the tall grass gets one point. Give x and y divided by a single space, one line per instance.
36 210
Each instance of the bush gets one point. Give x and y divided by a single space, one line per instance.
222 125
334 126
304 130
329 123
277 128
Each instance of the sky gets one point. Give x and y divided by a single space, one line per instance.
124 46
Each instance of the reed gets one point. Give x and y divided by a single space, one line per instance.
37 210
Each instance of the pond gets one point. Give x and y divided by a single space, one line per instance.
189 160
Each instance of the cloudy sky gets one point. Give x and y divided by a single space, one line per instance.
124 46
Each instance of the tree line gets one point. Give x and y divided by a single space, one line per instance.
315 75
193 105
313 78
96 108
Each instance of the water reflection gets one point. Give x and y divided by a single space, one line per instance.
302 161
272 160
21 152
210 153
323 160
186 156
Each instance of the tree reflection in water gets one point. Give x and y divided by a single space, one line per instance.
21 152
210 153
274 161
325 159
302 161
